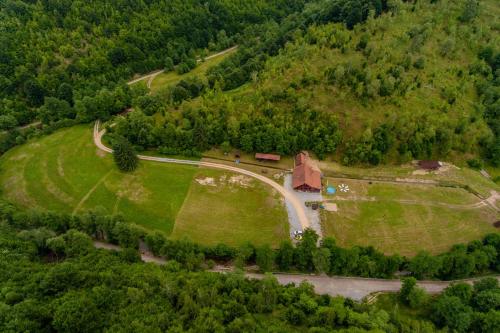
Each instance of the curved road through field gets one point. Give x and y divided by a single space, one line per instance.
297 205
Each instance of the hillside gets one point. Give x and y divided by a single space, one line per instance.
416 82
69 52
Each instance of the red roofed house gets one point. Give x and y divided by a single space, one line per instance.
306 175
267 157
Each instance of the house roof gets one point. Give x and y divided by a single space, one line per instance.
429 165
306 173
269 157
301 157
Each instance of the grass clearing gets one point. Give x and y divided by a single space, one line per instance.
230 208
66 172
170 78
401 218
449 173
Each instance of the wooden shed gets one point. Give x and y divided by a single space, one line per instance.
267 157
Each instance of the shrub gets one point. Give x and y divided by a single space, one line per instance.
475 163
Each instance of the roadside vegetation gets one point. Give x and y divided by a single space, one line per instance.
476 258
77 291
460 308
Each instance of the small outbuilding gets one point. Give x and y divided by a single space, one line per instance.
306 175
429 165
267 157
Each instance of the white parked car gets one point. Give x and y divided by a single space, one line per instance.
297 234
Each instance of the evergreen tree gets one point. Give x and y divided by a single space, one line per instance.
124 155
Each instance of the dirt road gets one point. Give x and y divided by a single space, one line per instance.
151 76
297 205
351 287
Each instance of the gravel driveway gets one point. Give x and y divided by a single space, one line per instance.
302 197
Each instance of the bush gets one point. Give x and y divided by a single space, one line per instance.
419 63
406 289
475 163
169 64
417 297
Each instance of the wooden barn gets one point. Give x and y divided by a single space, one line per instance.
267 157
306 175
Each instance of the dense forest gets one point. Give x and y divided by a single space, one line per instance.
54 280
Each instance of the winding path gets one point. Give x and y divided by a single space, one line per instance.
152 75
297 205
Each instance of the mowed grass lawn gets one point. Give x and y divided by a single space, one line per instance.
65 172
398 218
233 208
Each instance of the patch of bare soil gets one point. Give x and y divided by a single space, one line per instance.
60 168
241 180
279 176
413 180
132 189
445 167
207 181
331 207
53 188
100 153
19 157
15 189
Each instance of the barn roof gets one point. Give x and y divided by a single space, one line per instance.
429 165
306 173
301 157
268 157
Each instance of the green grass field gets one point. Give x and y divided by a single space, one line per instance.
400 218
65 172
170 78
448 173
231 207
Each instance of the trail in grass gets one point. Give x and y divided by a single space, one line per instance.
89 193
